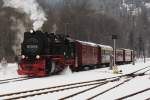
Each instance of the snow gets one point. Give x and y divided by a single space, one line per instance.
87 43
127 88
95 45
66 71
66 77
8 71
105 47
131 8
147 5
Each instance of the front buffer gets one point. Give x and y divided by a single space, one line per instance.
34 68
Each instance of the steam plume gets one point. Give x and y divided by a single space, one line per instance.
18 26
31 8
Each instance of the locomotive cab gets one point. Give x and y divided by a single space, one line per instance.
61 54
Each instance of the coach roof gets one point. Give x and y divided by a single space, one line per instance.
87 43
105 46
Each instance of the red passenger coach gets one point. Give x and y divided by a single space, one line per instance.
86 54
124 56
104 54
128 55
119 56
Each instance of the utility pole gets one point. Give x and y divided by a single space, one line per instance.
66 28
114 37
144 45
115 69
144 54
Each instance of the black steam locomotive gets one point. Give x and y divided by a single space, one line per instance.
44 53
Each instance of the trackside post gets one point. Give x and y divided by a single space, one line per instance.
114 68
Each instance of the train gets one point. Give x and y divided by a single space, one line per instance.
44 54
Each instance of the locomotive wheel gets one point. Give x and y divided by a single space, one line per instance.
86 68
50 69
53 66
94 67
98 66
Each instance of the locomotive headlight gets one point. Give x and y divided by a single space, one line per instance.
23 56
37 57
31 31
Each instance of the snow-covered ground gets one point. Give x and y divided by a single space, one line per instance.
67 77
8 71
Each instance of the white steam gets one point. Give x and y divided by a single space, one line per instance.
31 8
17 26
66 71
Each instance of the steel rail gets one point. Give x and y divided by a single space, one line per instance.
130 95
52 91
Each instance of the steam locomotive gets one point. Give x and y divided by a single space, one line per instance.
44 54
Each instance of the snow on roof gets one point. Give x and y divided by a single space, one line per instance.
119 50
94 44
125 49
105 46
87 43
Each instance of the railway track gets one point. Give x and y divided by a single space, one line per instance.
14 80
133 94
147 98
24 94
93 83
11 79
130 77
127 80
